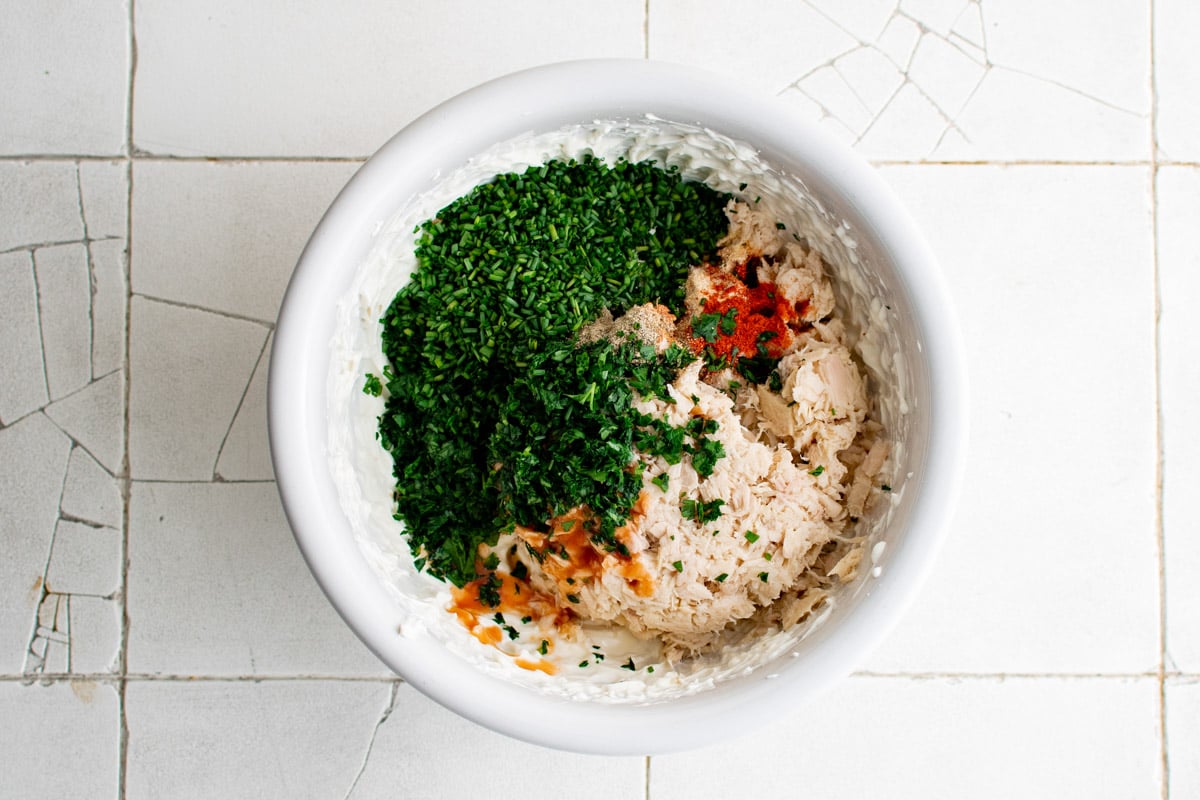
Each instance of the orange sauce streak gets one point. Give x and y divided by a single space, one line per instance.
541 665
571 559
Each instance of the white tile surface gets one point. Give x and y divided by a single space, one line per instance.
90 493
59 741
1176 76
33 462
66 75
95 634
1183 737
294 739
218 587
434 753
904 738
24 386
250 221
85 559
1178 268
201 90
1039 261
95 418
39 204
188 371
246 453
939 80
104 198
64 302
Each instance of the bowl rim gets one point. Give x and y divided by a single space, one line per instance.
298 427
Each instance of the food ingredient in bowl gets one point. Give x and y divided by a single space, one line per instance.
596 416
515 266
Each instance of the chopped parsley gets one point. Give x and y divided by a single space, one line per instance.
372 386
721 578
751 537
479 341
574 598
489 591
885 488
544 647
492 561
678 565
762 576
629 665
705 457
661 481
816 472
700 510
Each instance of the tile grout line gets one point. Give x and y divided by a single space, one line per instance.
1159 461
245 160
126 472
646 48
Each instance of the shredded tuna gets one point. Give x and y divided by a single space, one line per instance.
800 464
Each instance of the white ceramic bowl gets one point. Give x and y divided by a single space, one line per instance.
891 250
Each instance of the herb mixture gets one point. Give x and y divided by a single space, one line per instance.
493 415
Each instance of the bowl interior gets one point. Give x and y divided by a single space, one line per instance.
921 349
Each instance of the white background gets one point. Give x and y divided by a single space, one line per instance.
160 169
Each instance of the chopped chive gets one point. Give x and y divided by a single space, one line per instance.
721 578
751 537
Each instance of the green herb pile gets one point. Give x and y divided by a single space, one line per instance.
479 346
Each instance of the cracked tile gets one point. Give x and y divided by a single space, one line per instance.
940 737
85 559
104 198
217 586
1179 331
60 740
968 26
422 750
985 82
192 94
1108 57
301 739
90 493
836 97
871 76
108 306
33 462
246 453
946 74
95 634
870 17
683 31
1183 737
24 386
909 123
94 417
1176 76
1082 239
188 369
1016 116
66 69
899 40
249 224
39 204
64 300
938 16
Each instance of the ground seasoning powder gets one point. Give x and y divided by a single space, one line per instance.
505 275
